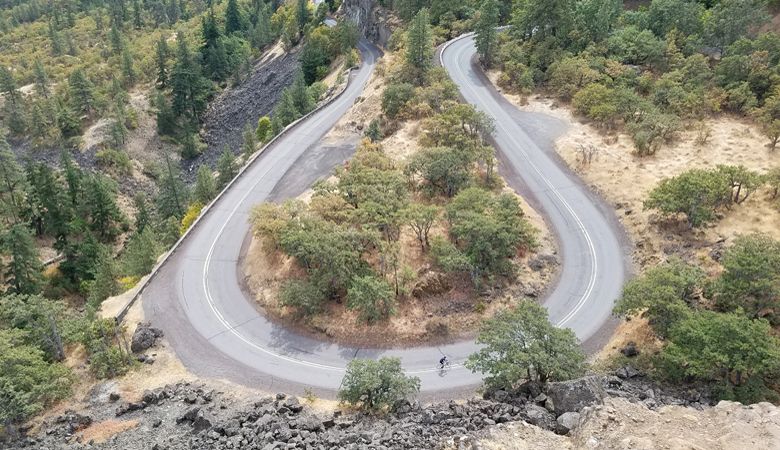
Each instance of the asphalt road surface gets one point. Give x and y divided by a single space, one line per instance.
215 330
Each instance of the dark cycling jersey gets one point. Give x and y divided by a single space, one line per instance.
442 361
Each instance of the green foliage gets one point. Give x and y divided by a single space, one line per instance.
374 131
521 344
768 117
728 347
376 385
543 19
395 97
205 185
302 295
419 51
485 32
750 280
421 218
173 195
372 297
28 383
226 166
108 357
39 319
664 294
81 92
696 193
448 257
489 229
23 271
263 132
141 253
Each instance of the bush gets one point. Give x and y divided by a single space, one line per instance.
189 218
395 98
263 130
373 297
376 385
302 295
599 103
696 193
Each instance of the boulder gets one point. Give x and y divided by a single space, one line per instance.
627 372
567 422
430 284
630 350
536 415
144 337
572 396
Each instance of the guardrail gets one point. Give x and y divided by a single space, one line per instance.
145 282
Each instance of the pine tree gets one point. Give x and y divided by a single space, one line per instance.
249 139
50 213
172 199
56 40
188 88
143 217
190 145
205 186
115 38
41 79
302 15
73 177
12 185
14 108
81 92
128 71
301 96
234 18
138 22
213 50
419 52
285 112
261 32
99 207
486 35
162 63
226 167
166 121
24 270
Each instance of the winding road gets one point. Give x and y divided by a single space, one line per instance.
196 296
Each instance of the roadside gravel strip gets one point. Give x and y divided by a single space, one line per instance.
196 296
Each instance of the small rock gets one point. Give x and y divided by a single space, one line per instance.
627 372
630 350
567 422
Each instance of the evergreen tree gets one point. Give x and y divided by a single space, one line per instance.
188 87
56 40
205 186
226 167
486 35
128 71
73 177
234 18
143 217
137 18
12 185
115 38
249 139
213 50
419 50
81 92
261 34
285 112
190 145
99 207
301 96
172 199
166 121
162 63
14 109
24 270
302 15
41 79
48 203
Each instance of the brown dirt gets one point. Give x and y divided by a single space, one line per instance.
100 432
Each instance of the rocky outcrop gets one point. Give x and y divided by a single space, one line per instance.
574 395
373 21
144 337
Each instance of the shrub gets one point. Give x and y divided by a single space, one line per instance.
373 297
192 213
395 98
302 295
376 385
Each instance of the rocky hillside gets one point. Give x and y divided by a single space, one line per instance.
601 412
622 424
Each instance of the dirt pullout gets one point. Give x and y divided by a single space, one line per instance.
255 97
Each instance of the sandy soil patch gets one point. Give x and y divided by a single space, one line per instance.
100 432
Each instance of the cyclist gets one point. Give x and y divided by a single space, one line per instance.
443 362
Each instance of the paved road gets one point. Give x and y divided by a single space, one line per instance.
216 331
